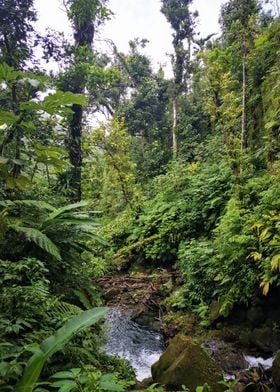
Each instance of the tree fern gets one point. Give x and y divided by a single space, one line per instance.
39 238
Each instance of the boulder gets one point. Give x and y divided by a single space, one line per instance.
185 363
276 370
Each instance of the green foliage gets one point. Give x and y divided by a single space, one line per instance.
54 343
187 202
17 17
196 264
64 238
213 214
87 379
113 166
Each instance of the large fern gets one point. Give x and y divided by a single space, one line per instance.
65 231
39 239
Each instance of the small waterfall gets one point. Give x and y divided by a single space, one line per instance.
139 345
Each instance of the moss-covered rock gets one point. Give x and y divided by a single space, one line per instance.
178 322
276 370
185 363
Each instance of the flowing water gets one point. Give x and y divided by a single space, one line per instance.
258 361
142 346
139 345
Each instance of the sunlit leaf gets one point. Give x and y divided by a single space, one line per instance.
265 285
275 262
256 256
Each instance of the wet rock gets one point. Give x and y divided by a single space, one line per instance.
226 356
185 363
145 317
276 370
265 339
143 384
148 319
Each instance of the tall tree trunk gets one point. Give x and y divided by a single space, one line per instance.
75 152
83 20
243 138
174 126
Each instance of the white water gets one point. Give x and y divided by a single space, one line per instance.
139 345
257 361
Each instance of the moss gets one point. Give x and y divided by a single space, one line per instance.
185 363
177 322
214 312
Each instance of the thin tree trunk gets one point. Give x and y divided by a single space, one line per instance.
75 152
243 141
174 126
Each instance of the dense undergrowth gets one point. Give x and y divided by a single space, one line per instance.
184 176
220 231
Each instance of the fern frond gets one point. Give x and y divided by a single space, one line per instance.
64 310
86 297
39 239
28 203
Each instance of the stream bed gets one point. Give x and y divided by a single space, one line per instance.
140 345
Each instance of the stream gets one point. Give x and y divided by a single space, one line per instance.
141 346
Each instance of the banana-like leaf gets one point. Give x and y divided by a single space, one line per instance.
54 343
61 210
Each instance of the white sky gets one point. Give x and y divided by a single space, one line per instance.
134 18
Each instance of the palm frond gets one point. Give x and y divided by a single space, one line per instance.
39 239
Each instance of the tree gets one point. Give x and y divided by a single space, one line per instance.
86 16
181 19
238 23
27 123
16 29
144 111
116 170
